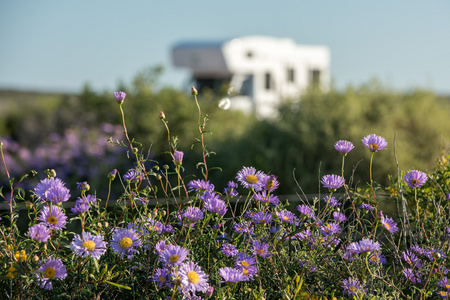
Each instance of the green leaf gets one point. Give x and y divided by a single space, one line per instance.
118 285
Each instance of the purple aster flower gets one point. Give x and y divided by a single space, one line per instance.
82 204
231 275
168 229
343 146
160 246
154 225
162 278
412 275
193 278
120 96
133 175
415 178
244 227
249 272
270 183
52 268
229 249
262 217
418 250
432 253
173 255
190 215
365 245
244 261
377 257
54 218
44 185
250 178
330 228
389 224
83 186
287 216
200 185
39 233
332 182
353 287
444 282
88 244
444 294
261 249
178 158
331 202
266 197
365 206
215 205
124 242
57 194
339 217
374 142
230 190
306 210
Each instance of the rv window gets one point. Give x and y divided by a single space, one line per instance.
268 84
314 77
290 75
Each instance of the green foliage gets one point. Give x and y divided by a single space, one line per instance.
302 138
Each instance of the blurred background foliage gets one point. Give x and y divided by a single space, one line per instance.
296 145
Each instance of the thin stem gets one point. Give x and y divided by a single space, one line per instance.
201 129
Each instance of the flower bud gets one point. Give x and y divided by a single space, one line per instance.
99 225
178 158
35 259
50 173
29 205
83 186
112 174
120 96
158 177
165 167
106 224
135 150
194 91
209 291
162 116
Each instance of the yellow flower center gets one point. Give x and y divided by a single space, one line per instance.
193 277
373 146
262 221
260 252
352 288
20 256
245 271
387 226
443 294
245 264
174 258
49 272
162 279
126 243
252 179
286 218
52 220
374 258
414 182
90 245
447 286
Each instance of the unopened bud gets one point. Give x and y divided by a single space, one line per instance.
120 96
178 158
35 259
156 168
99 225
29 205
106 224
158 177
437 255
209 291
162 116
112 174
194 91
50 173
165 167
135 150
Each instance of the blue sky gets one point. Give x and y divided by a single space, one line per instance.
61 45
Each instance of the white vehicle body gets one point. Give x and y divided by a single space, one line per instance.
259 70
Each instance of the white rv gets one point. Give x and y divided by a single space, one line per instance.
259 71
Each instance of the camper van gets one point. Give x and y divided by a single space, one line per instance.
257 72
